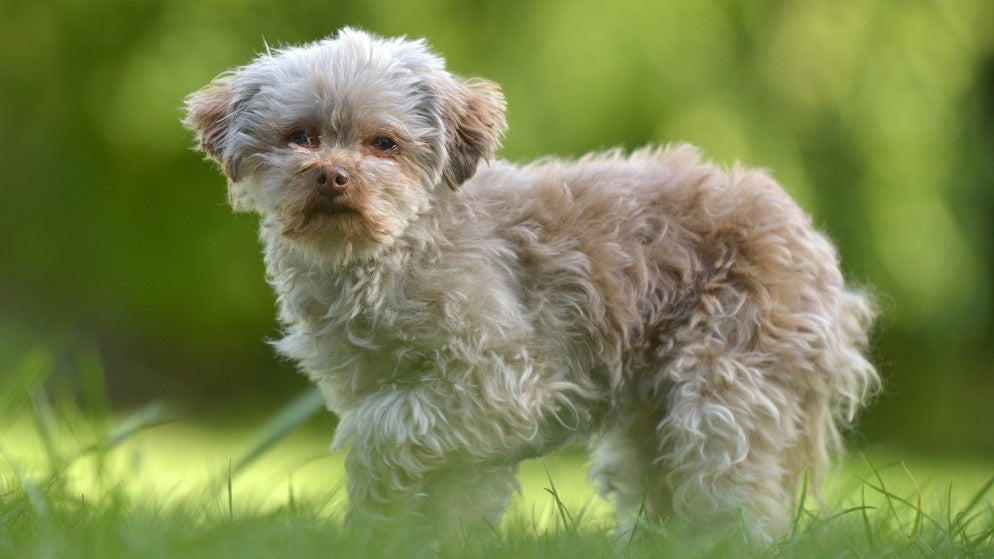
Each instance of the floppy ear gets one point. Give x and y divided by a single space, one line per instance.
209 114
473 114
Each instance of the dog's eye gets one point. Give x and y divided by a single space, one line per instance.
384 143
298 137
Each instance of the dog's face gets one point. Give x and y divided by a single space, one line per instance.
345 141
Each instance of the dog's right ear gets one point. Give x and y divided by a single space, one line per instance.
209 114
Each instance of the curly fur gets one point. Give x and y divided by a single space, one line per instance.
687 320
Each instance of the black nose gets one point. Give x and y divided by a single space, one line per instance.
332 178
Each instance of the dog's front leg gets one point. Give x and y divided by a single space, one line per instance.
427 451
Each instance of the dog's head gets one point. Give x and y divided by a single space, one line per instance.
344 142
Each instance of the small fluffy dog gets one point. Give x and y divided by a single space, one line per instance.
459 318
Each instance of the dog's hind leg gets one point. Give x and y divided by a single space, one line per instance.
626 469
732 440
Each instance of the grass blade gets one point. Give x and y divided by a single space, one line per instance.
640 515
964 519
883 491
293 415
44 416
35 498
563 512
31 372
800 507
977 498
866 517
149 415
231 500
918 504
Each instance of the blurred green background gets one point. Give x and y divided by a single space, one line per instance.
877 116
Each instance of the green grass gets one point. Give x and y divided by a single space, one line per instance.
77 481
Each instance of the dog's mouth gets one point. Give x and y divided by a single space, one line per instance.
319 215
322 204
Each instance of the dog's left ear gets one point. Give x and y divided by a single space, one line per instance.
473 114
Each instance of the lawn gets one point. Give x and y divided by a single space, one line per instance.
77 481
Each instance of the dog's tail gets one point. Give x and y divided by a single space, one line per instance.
857 377
852 381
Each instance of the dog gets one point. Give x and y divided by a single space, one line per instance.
461 314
